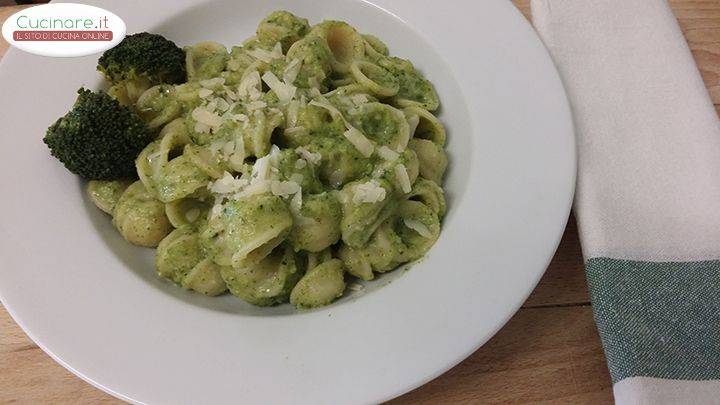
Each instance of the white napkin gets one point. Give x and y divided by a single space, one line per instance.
648 193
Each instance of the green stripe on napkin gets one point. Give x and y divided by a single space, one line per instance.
658 319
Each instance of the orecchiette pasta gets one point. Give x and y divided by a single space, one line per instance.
245 231
299 158
106 194
267 282
205 60
181 260
320 285
140 217
432 159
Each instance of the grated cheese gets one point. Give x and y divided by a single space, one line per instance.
215 147
284 188
227 184
222 105
204 93
231 94
212 83
401 175
216 210
369 192
296 203
356 287
291 71
258 187
418 227
203 116
292 113
237 157
250 86
311 157
201 128
387 153
359 141
284 91
267 56
255 105
211 106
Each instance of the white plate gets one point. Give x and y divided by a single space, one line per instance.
93 303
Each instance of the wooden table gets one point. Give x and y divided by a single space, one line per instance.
549 351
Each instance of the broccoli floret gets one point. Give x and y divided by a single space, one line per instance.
98 139
140 61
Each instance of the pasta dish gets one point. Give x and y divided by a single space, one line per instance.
278 170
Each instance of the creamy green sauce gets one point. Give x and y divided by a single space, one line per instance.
286 165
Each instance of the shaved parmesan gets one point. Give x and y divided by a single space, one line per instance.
239 117
284 188
201 128
227 184
231 94
216 210
227 149
284 91
261 168
258 187
401 175
311 157
292 113
203 116
296 203
291 71
418 227
237 157
266 56
369 192
359 141
211 106
222 105
387 153
250 86
215 147
300 164
204 93
212 83
255 105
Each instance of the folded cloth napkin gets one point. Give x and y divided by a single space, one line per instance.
648 193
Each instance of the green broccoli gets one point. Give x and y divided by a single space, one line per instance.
98 139
139 62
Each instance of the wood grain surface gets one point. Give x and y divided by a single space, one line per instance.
549 352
